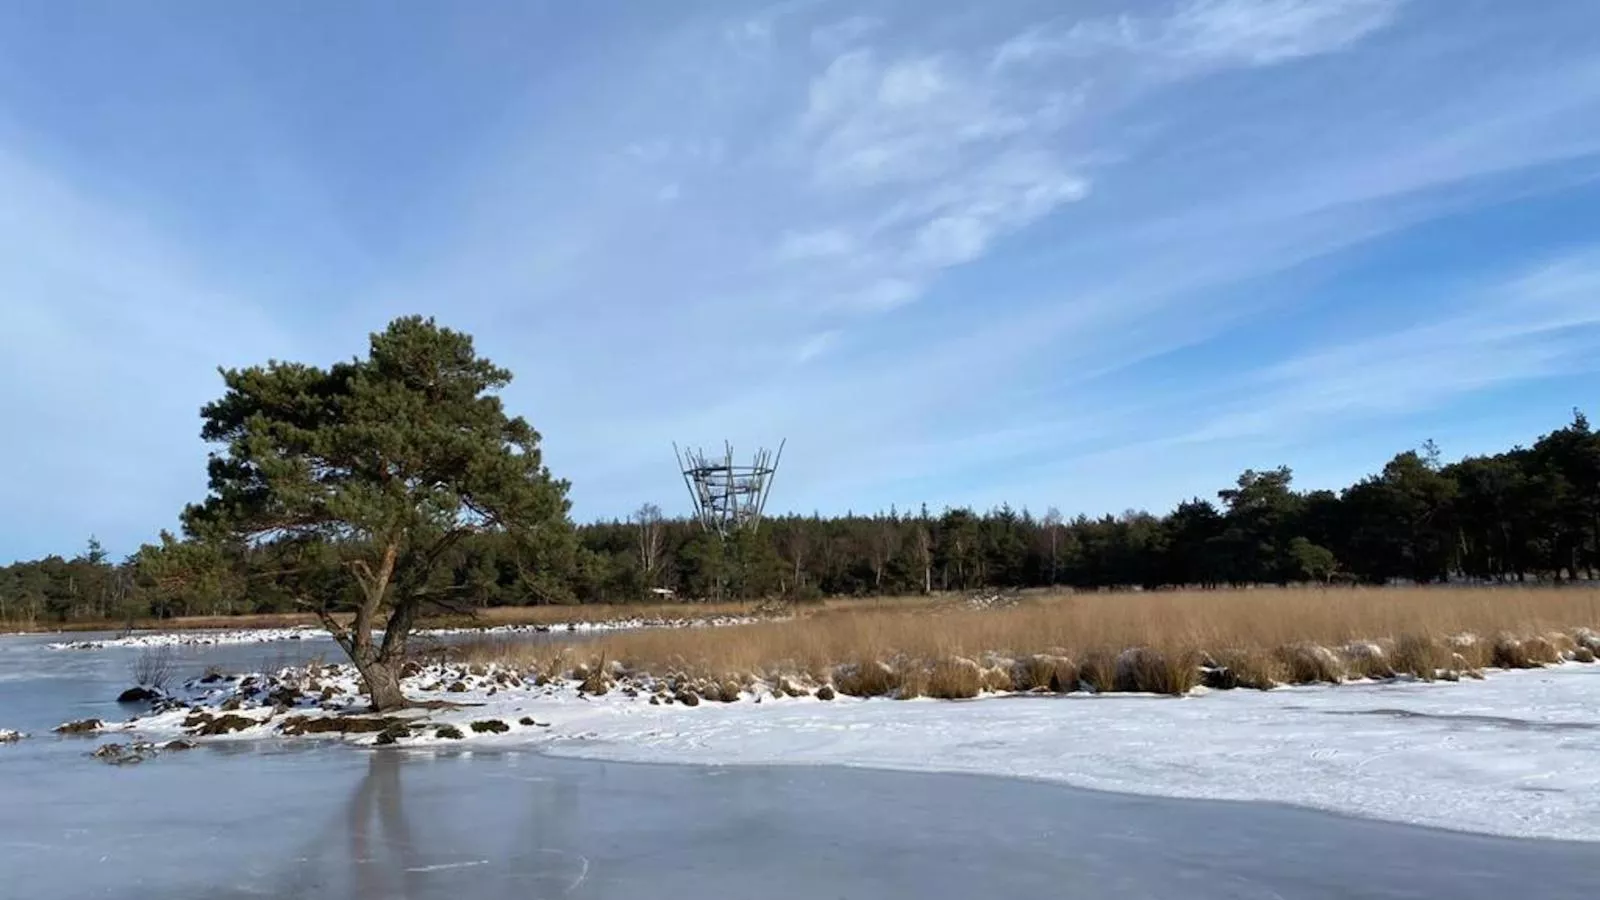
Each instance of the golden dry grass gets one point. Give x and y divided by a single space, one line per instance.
1160 641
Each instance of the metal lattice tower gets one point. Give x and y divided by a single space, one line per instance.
728 497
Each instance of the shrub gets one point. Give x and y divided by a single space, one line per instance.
1511 653
449 732
595 683
1307 663
1541 651
913 679
1245 669
1364 659
1145 670
1044 672
1474 653
998 679
955 679
152 668
867 678
1422 656
490 726
1098 672
1563 645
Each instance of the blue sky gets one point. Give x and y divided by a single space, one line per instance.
1093 255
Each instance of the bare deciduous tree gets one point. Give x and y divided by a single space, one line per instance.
648 518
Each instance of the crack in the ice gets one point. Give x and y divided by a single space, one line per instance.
1469 718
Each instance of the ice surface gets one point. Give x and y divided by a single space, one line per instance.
1512 755
1517 754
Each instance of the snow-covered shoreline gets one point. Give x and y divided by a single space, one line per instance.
1511 755
200 638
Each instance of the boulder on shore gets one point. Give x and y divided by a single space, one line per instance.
139 694
7 736
82 726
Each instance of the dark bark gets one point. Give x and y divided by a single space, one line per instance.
383 684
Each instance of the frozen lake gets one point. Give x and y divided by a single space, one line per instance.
268 820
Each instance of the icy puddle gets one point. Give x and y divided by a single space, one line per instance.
264 819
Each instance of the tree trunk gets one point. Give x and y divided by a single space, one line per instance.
383 685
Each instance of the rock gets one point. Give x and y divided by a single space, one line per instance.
393 732
527 720
687 697
300 725
232 704
449 732
7 736
411 669
198 719
490 726
284 696
123 754
457 687
655 701
825 692
140 694
83 726
179 744
226 724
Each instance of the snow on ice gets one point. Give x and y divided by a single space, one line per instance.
1512 755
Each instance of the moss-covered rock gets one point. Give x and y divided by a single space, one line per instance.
449 732
82 726
226 724
490 726
825 692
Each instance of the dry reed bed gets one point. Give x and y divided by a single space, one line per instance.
1152 642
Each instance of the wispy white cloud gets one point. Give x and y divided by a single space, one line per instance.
1538 324
1202 33
834 37
816 345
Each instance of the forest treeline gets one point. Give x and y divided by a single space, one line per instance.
1530 513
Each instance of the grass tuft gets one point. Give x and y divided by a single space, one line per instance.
1511 652
1308 663
1421 656
955 679
865 678
1149 671
1365 659
1045 672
